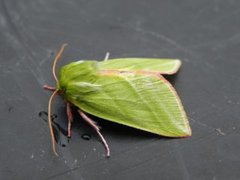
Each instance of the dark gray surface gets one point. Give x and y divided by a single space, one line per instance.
204 34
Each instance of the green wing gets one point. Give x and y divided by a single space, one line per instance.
141 100
162 66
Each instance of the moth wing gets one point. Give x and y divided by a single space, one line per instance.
139 100
162 66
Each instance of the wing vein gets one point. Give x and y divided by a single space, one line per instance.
140 96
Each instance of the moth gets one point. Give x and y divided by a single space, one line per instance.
128 91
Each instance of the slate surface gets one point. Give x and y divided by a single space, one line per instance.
204 34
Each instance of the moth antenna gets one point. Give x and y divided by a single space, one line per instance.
50 122
57 57
106 56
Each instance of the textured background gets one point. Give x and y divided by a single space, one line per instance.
204 34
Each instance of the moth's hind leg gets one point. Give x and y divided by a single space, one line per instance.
97 129
69 118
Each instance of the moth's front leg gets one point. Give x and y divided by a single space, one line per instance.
49 88
69 117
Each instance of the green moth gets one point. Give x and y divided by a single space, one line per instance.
128 91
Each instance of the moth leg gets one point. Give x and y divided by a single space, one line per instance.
69 118
106 56
96 128
49 88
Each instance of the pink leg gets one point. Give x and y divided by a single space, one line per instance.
96 128
69 117
49 88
